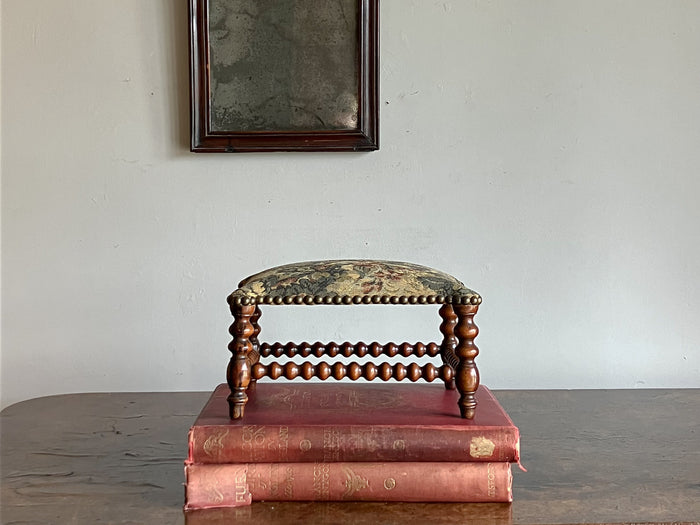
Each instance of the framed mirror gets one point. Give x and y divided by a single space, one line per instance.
284 75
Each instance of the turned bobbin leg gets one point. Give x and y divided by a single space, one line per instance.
467 375
449 341
254 355
238 372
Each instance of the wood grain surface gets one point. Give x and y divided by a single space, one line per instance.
592 457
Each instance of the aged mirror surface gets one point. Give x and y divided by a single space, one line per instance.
273 75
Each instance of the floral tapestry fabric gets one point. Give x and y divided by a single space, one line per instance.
351 278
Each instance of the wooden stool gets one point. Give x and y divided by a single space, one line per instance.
349 282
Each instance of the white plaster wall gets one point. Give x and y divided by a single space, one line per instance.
544 152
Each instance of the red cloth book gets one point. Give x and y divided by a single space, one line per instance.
234 485
352 422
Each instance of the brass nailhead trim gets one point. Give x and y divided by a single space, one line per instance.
357 299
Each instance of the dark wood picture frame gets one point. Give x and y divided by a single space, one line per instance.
358 131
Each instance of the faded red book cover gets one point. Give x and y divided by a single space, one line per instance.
335 422
234 485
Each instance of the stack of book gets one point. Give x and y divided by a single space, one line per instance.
350 442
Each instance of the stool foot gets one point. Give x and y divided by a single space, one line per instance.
236 407
467 412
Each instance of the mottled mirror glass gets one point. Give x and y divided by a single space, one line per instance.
285 65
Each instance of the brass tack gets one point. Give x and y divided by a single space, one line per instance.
337 299
357 299
267 299
403 299
298 299
277 300
385 299
245 301
287 300
317 299
366 299
412 299
308 299
327 299
347 299
393 299
422 299
440 299
376 299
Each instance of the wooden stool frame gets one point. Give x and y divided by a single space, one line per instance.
457 348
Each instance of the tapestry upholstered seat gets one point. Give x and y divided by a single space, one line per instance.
348 282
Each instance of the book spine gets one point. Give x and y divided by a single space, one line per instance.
235 485
274 444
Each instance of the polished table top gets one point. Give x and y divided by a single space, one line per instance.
593 456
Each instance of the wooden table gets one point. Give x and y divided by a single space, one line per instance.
592 456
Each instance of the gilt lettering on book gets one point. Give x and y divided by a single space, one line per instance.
233 485
334 422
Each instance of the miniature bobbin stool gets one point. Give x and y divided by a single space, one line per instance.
349 282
